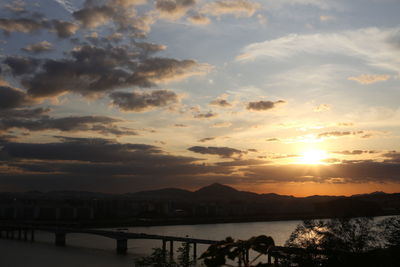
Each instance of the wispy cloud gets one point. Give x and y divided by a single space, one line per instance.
370 78
376 47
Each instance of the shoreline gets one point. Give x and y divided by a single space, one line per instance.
148 222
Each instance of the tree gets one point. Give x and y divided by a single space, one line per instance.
160 258
391 231
229 251
333 242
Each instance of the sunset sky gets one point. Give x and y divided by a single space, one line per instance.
297 97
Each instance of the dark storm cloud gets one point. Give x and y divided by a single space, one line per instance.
21 65
82 149
142 101
101 124
100 157
393 157
12 98
225 152
95 70
38 47
220 102
264 105
25 113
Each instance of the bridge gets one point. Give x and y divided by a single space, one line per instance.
27 233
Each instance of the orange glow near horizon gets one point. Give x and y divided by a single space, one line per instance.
310 189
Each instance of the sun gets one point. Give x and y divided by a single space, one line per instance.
312 156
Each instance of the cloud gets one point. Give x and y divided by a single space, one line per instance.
393 157
220 102
16 6
223 124
21 65
264 105
12 98
324 18
369 78
103 125
239 8
37 119
346 172
173 9
40 47
143 101
355 152
25 113
20 25
94 70
206 115
242 162
82 160
118 14
322 108
361 44
93 17
272 140
206 139
345 124
224 152
64 29
199 19
345 133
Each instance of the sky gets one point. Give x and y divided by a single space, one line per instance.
295 97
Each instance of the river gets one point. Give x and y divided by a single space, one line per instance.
95 251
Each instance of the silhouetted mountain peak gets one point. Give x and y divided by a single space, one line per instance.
216 188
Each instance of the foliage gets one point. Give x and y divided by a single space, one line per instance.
391 231
344 234
221 253
345 242
324 243
160 258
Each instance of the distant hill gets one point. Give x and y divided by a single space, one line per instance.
212 201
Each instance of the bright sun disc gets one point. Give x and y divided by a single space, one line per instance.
313 156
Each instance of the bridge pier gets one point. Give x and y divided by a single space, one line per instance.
60 239
25 234
32 235
19 234
122 246
194 251
171 250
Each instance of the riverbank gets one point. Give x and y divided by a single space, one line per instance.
170 221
